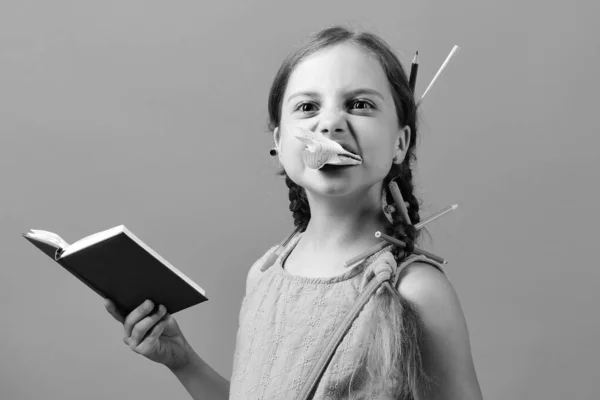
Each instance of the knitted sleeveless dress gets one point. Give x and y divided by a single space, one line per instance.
285 323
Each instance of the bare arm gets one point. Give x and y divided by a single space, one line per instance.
157 337
201 381
447 351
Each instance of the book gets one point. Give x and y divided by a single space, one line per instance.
117 265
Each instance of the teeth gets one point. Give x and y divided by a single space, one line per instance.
321 150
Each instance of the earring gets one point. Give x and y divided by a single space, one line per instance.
273 152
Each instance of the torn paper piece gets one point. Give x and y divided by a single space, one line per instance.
321 150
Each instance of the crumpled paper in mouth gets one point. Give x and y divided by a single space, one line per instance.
321 150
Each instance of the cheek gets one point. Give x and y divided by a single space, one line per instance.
379 159
381 167
291 153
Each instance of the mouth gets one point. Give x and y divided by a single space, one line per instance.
351 156
349 149
334 167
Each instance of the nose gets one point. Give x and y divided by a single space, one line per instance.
332 122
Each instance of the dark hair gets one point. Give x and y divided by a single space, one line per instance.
392 357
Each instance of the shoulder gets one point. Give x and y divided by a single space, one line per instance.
433 296
255 270
446 348
428 288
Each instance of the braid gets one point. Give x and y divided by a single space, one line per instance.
298 204
394 323
407 189
399 228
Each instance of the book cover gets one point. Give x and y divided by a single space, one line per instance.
125 270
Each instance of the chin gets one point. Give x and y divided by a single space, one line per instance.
330 190
333 183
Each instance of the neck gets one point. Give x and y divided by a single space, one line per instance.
341 224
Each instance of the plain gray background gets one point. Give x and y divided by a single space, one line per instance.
153 114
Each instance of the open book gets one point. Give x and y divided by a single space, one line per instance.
119 266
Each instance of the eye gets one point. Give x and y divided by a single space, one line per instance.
363 104
305 107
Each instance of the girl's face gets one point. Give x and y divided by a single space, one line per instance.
341 91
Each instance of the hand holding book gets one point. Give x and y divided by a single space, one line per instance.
153 333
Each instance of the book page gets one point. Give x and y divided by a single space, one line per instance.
49 238
92 239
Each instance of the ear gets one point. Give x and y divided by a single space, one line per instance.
277 139
402 143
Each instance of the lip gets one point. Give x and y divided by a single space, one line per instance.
332 167
348 148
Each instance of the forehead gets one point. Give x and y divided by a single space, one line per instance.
341 67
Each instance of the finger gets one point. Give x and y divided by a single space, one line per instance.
157 329
136 316
112 310
141 328
151 340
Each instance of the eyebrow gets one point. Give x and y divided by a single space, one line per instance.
351 93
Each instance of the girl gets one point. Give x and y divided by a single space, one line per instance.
410 341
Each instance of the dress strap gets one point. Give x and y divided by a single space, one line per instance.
308 387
